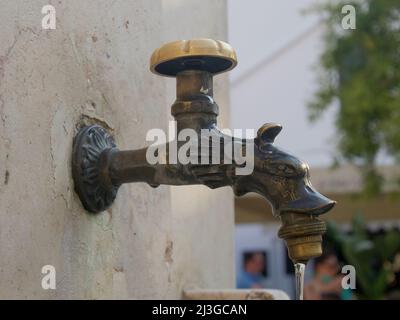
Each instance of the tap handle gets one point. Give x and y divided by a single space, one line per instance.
213 56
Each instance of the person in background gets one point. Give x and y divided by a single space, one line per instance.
327 283
251 276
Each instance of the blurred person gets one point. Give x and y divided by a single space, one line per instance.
251 277
327 282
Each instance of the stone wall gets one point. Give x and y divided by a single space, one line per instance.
94 68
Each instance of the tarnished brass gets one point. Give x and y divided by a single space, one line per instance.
214 56
99 168
303 235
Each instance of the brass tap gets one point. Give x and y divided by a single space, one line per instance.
99 168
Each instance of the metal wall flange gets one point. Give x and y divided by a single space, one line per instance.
90 149
99 168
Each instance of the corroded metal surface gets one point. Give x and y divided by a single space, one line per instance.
99 168
94 191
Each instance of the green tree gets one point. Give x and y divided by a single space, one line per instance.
372 256
360 73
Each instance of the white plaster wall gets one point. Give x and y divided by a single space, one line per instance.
278 49
94 69
204 216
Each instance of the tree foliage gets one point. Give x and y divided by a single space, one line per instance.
373 256
360 73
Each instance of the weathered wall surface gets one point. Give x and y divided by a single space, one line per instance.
94 69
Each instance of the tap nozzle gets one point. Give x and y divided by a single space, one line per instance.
303 235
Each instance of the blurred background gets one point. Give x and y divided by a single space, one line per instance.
337 94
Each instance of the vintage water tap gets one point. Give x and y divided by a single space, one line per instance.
99 168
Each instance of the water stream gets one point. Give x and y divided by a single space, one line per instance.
299 275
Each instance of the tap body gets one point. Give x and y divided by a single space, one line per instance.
279 177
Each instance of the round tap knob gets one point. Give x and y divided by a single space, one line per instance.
213 56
